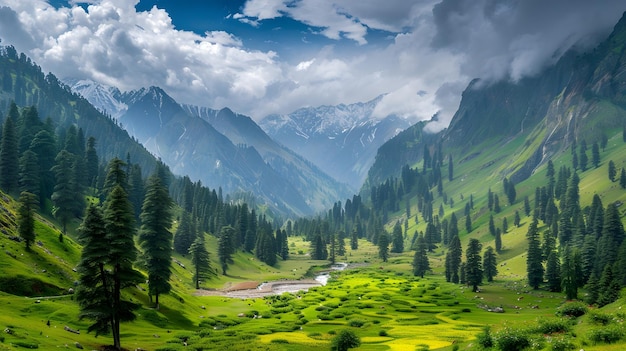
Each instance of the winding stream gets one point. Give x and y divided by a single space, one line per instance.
282 286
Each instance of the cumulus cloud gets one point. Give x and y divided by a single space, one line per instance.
435 48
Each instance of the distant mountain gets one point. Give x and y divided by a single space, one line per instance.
342 140
318 189
220 148
106 99
581 98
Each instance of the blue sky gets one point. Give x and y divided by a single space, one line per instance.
274 56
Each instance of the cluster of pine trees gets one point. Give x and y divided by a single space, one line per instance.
578 247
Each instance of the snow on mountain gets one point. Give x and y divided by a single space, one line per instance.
105 98
342 140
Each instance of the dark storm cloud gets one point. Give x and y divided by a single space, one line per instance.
515 38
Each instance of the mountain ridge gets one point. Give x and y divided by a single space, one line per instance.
341 140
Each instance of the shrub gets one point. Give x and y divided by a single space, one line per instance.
572 309
510 339
357 323
600 318
324 316
382 333
562 343
485 339
606 335
346 339
552 326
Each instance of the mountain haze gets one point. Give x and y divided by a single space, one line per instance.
342 140
218 147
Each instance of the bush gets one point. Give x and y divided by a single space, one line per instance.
382 333
563 343
357 323
552 326
510 339
600 318
346 339
279 341
606 335
485 339
572 309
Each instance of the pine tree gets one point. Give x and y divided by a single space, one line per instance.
265 249
498 241
225 249
468 223
91 161
332 257
116 175
29 179
397 243
201 261
155 237
136 191
553 272
383 246
354 239
583 159
612 171
120 228
490 264
609 288
94 293
473 264
595 155
185 234
622 178
568 274
496 203
44 146
593 289
26 218
517 220
456 252
420 258
534 267
284 247
9 156
64 196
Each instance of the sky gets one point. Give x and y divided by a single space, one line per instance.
260 57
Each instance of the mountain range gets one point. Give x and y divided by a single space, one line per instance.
322 156
342 140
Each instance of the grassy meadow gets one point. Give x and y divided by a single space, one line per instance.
382 302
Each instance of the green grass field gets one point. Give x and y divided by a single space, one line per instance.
387 307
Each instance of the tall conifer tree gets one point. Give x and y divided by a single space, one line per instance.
155 237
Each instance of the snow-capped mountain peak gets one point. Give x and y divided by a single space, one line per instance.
105 98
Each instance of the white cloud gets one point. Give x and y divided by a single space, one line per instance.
437 46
